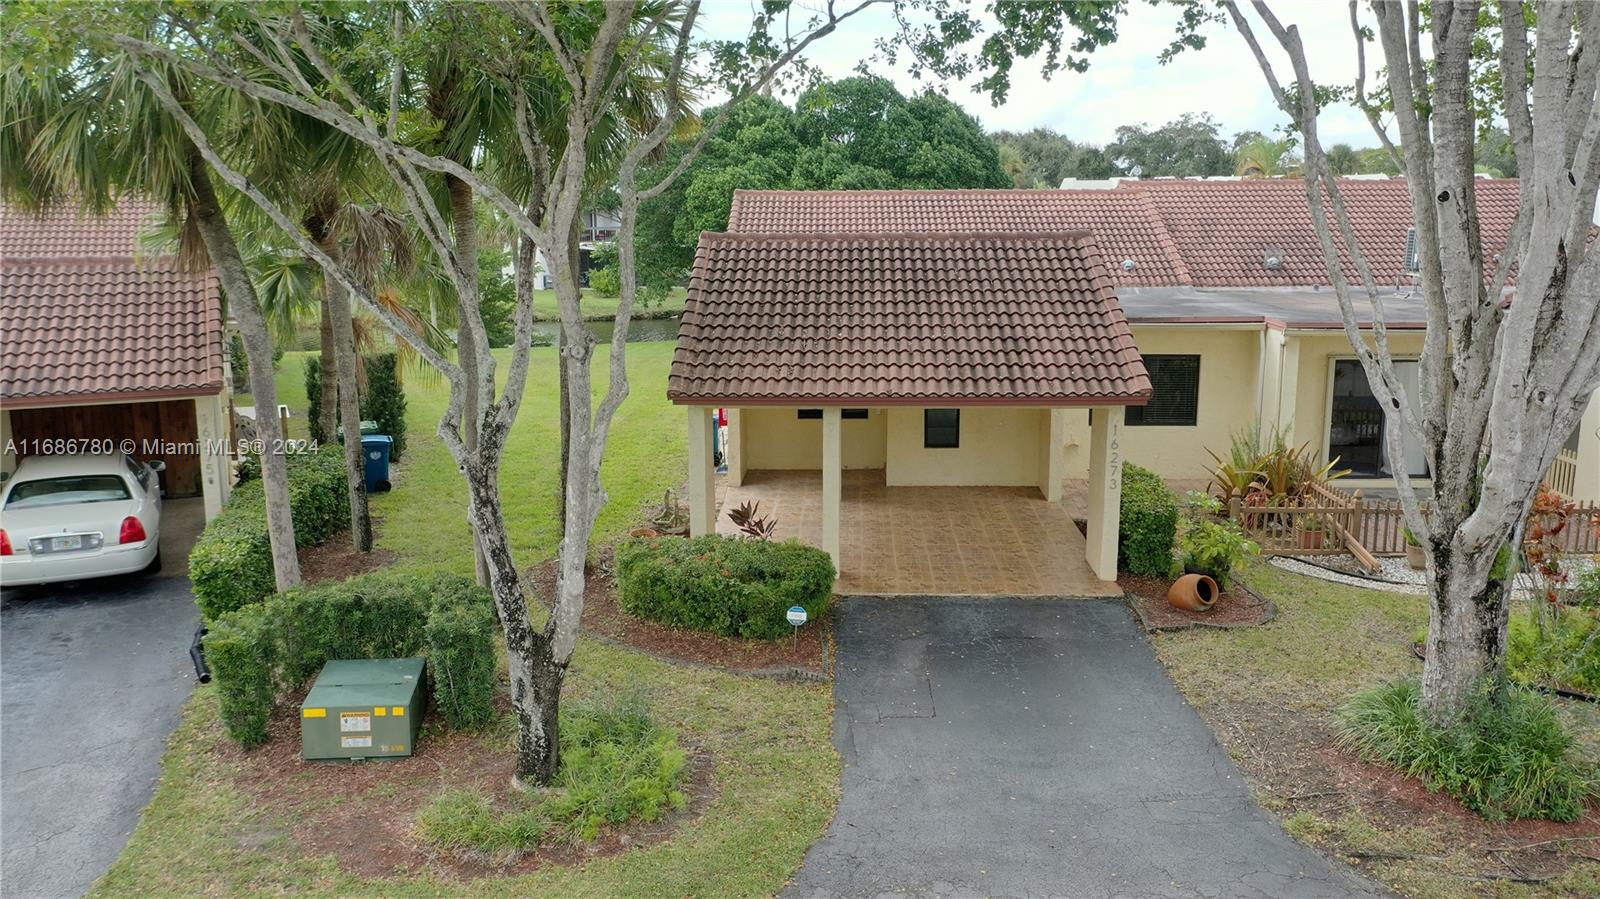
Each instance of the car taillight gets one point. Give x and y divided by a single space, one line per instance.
132 530
5 543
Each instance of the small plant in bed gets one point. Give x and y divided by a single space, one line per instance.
1213 548
725 585
1507 756
618 765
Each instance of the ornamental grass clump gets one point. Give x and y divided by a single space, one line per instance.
1506 756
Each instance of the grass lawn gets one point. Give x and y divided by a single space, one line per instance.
596 306
1269 693
776 773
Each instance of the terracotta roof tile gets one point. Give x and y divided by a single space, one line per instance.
82 321
1123 223
1224 230
1026 319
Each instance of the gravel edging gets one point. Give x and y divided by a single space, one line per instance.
1399 577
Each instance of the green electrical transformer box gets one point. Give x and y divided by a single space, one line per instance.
363 708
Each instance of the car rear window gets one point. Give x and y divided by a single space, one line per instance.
88 488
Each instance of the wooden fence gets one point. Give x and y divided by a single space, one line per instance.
1329 521
1563 474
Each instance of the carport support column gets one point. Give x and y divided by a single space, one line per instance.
1105 490
702 473
832 481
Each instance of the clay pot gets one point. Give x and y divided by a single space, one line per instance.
1310 539
1193 592
644 532
1415 558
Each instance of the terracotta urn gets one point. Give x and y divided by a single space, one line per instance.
1415 558
644 532
1193 593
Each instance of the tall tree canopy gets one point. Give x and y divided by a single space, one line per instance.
1047 157
1186 147
857 133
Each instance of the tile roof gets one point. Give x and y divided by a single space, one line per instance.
1179 232
1224 230
970 318
1122 222
83 322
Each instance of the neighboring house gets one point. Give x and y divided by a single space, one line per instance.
1221 283
599 227
100 347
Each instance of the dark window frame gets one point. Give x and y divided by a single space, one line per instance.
808 414
816 414
933 432
1164 410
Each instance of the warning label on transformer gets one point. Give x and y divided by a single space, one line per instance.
355 742
355 721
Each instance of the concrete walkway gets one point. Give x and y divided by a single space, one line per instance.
93 676
1028 747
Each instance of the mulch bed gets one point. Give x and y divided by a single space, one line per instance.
1238 606
1293 760
336 558
804 656
364 813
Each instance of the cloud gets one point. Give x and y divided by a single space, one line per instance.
1125 83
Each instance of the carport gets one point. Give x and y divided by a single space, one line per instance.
107 352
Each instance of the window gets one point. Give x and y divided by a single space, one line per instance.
1176 399
91 488
941 428
139 472
805 414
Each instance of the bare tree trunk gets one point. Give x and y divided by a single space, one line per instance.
328 385
574 260
337 304
246 309
464 223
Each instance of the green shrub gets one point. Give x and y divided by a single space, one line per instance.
266 651
1213 548
1149 523
1508 755
617 765
385 401
725 585
1563 652
606 282
313 367
231 563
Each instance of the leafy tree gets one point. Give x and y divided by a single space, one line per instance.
1343 159
1047 158
1263 157
1187 147
853 134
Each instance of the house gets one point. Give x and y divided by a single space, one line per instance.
105 350
898 340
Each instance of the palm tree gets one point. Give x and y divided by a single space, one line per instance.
1267 158
88 130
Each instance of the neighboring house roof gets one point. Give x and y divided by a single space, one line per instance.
916 319
1224 230
1123 222
83 322
1178 232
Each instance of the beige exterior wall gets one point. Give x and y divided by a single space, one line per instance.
775 438
1230 396
1309 422
999 448
1586 487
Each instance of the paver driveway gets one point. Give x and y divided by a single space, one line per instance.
1028 747
92 678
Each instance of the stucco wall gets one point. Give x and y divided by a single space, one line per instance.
1310 424
1230 364
999 448
775 438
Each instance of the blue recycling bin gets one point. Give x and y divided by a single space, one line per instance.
375 454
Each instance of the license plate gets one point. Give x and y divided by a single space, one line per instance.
69 541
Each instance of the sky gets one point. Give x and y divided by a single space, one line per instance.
1125 83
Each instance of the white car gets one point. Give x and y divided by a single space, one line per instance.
71 517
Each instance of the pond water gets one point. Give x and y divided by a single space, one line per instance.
638 330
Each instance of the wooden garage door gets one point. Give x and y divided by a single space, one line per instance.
166 421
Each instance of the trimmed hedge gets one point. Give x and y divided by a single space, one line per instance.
264 652
726 585
383 402
231 563
1149 523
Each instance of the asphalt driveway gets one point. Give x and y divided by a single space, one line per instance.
92 677
1027 747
